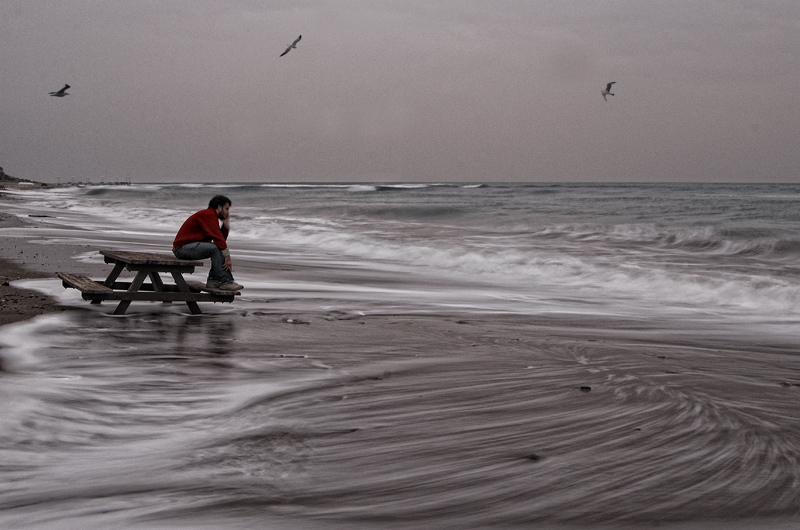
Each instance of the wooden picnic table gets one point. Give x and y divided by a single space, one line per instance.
146 265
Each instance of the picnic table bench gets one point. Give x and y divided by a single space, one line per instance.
146 265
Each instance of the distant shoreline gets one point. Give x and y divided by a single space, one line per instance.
8 179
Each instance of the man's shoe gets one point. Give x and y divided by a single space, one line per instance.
230 286
212 284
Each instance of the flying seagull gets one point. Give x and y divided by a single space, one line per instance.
607 91
61 93
292 45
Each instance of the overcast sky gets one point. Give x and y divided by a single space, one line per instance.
401 90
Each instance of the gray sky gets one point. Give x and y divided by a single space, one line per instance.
401 90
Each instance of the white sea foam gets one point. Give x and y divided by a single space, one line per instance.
21 341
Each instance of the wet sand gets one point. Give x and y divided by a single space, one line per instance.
19 304
22 259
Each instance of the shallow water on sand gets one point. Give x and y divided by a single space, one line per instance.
409 421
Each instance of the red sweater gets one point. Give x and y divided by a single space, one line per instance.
202 226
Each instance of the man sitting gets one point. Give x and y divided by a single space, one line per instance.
201 236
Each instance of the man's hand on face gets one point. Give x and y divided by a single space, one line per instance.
223 214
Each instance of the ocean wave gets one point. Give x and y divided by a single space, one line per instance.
699 239
611 277
506 237
406 187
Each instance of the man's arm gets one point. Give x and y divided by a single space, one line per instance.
209 224
226 229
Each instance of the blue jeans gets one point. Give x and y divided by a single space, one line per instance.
203 250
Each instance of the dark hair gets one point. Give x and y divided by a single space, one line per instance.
217 201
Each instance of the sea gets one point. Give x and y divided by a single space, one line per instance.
416 355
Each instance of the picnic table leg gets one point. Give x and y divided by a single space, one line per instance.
112 277
184 288
158 285
135 285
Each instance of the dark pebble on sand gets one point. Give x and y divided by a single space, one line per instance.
586 389
533 457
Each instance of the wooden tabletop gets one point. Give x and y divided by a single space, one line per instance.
147 258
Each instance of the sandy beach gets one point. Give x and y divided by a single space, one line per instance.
19 304
23 259
293 411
